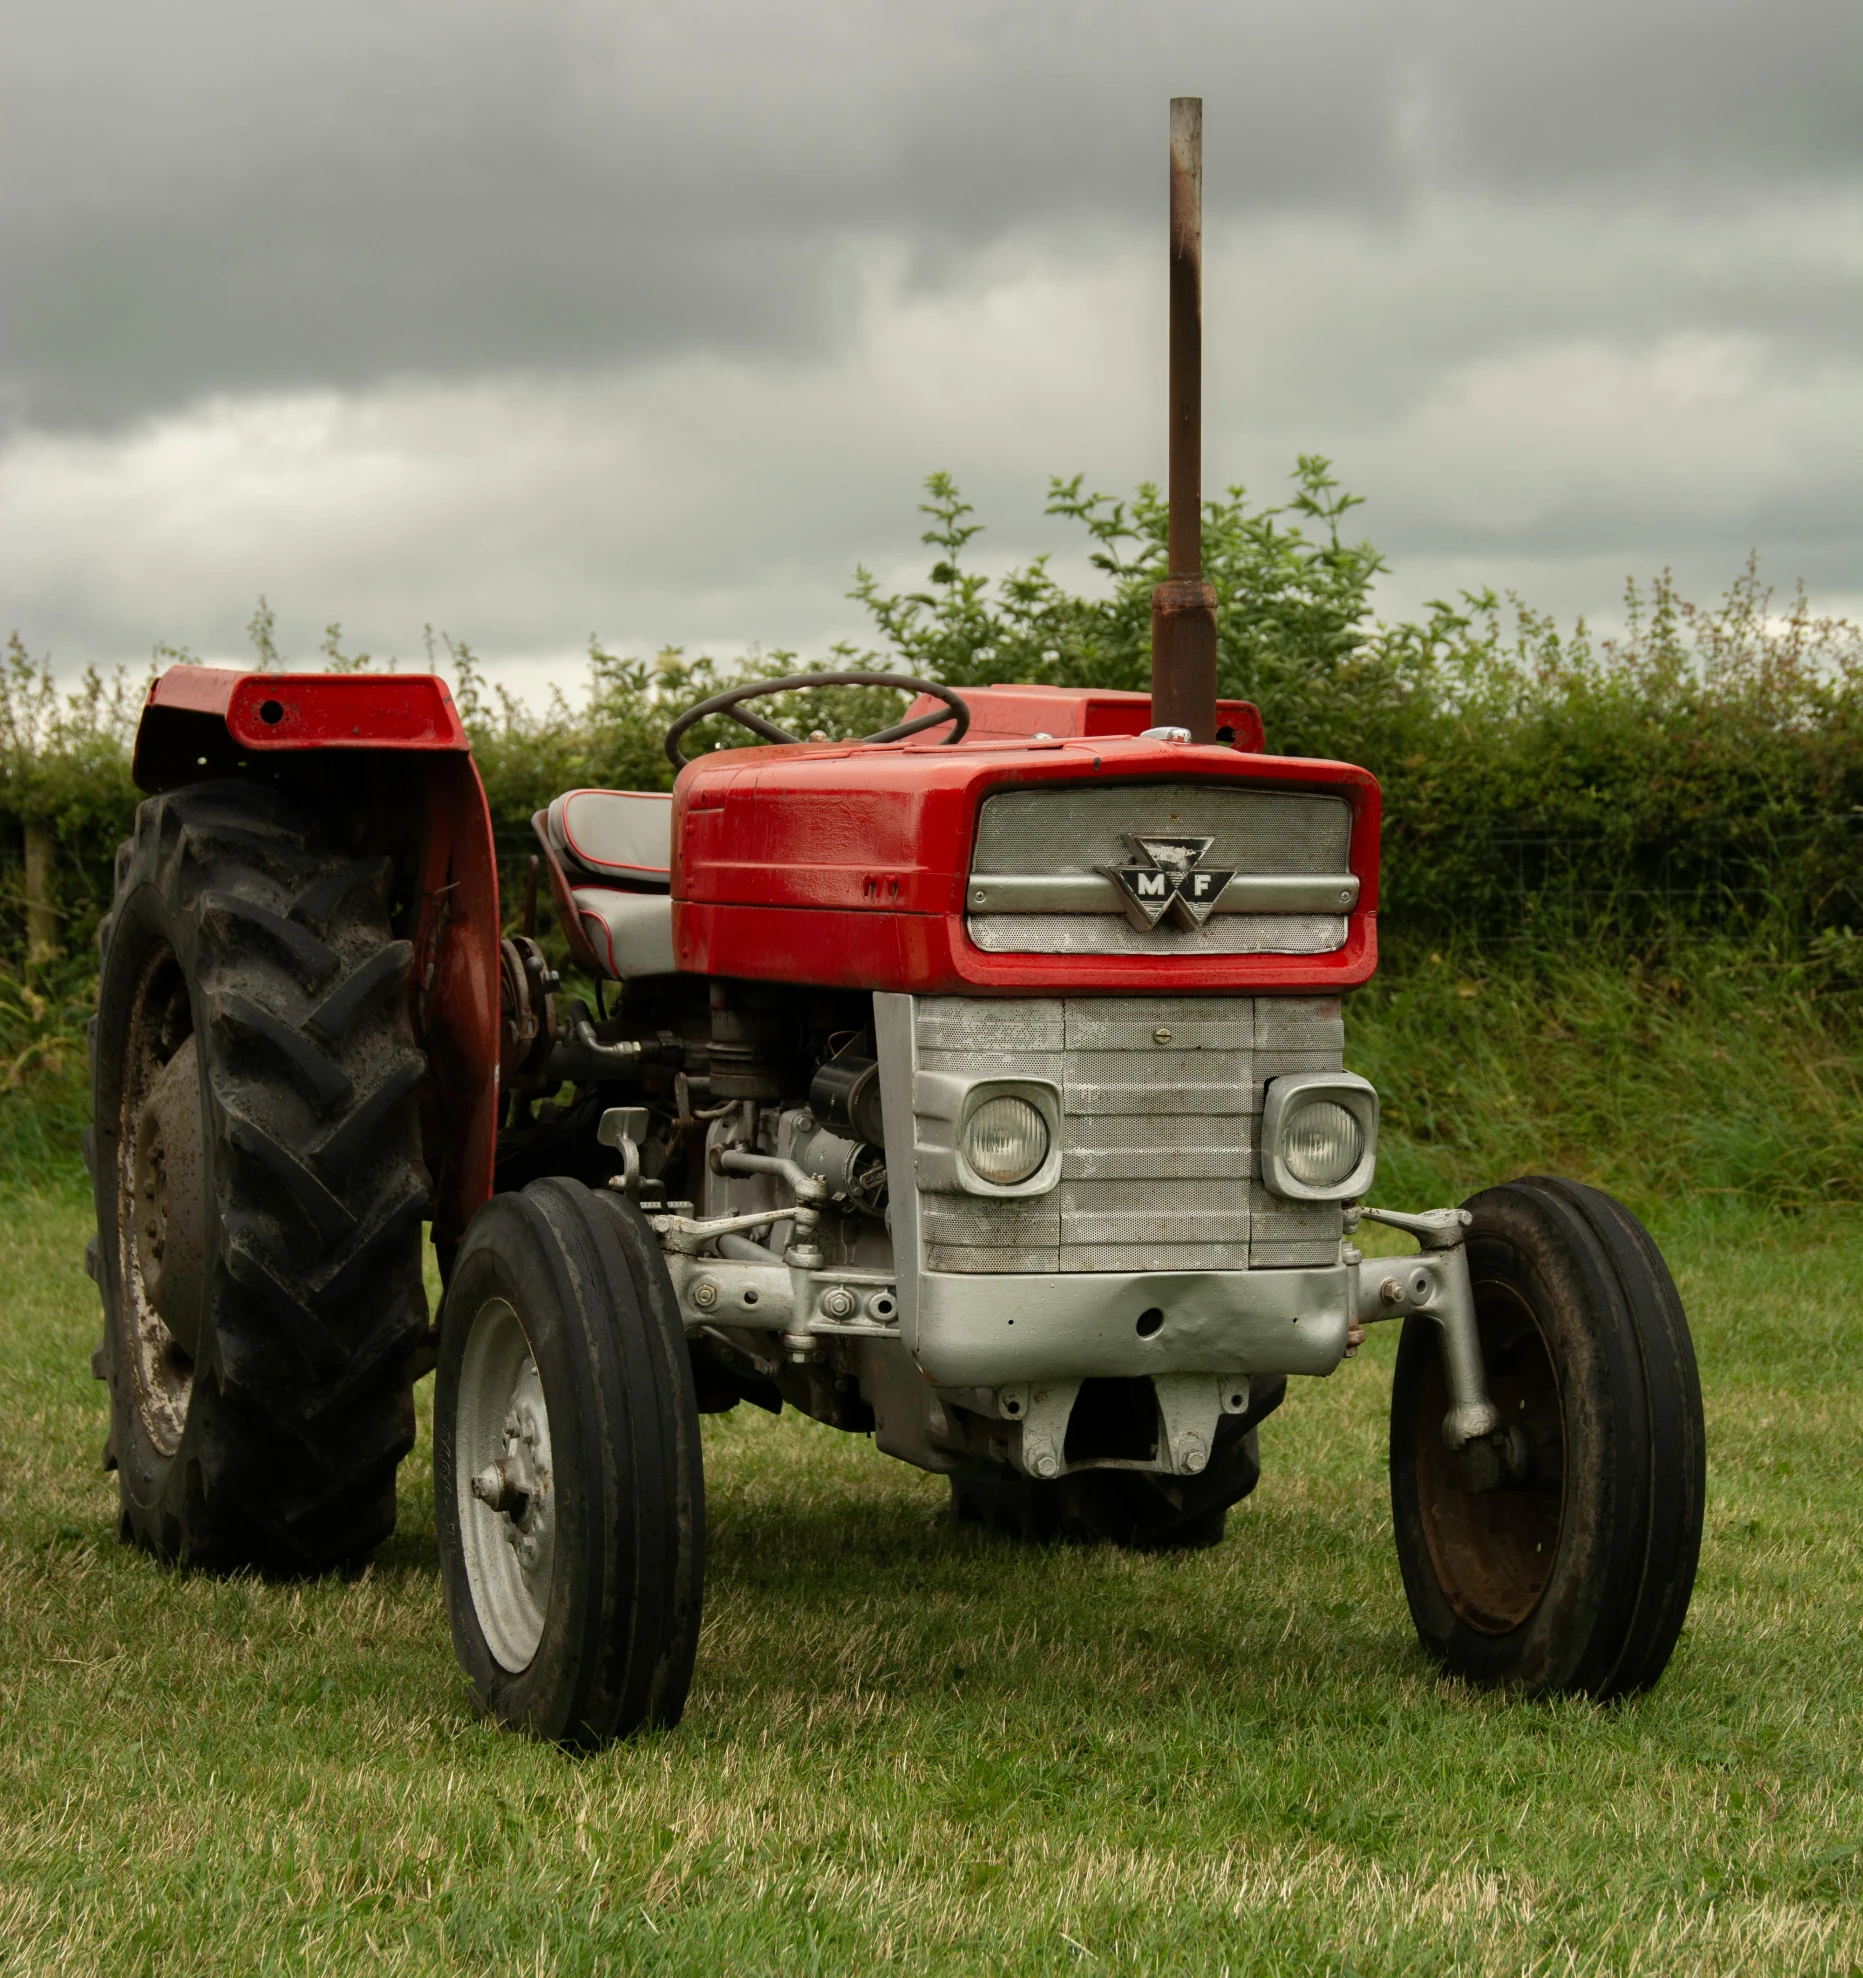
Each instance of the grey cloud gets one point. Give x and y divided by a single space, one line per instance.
211 196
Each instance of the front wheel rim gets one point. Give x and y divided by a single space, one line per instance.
1493 1550
505 1481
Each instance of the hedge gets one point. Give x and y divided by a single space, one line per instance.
1702 768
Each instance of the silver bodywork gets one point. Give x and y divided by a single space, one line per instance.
1146 1247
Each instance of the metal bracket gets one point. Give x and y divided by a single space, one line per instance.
623 1128
1435 1286
1435 1229
1042 1408
809 1188
1189 1407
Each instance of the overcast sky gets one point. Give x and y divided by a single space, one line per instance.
532 320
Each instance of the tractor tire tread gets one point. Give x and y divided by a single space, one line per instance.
302 1405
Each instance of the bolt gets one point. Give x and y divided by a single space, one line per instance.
1192 1455
489 1487
1161 1035
838 1303
1391 1291
1043 1462
705 1294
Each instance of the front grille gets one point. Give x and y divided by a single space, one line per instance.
1298 844
1158 1157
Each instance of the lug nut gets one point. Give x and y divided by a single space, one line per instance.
705 1294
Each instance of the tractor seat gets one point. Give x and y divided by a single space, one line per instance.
616 849
614 837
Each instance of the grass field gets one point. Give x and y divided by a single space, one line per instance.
919 1749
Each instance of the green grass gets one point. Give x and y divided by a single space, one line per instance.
918 1749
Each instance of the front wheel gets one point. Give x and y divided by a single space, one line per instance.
1557 1555
568 1492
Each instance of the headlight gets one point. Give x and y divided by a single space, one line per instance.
1319 1136
1322 1143
1005 1140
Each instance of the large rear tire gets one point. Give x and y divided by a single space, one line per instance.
255 1160
568 1489
1559 1555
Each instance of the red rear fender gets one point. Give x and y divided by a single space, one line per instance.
388 753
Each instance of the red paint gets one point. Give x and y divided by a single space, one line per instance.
453 980
318 710
847 866
1074 711
454 990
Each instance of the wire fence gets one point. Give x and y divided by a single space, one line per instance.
1550 888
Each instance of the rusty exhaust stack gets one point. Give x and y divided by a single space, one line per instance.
1183 607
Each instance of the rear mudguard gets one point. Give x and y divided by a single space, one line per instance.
391 751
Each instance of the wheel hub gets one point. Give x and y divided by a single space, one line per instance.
507 1507
165 1186
1492 1512
161 1204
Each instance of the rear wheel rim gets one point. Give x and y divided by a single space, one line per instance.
161 1368
1493 1551
506 1483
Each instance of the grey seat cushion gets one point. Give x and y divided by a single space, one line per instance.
631 933
617 837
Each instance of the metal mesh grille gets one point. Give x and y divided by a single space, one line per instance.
1161 1099
1082 830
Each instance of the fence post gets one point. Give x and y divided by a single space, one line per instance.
41 916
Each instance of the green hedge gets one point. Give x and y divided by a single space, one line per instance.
1702 770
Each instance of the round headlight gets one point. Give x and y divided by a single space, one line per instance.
1322 1143
1005 1140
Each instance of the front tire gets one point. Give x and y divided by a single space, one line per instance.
1558 1555
568 1491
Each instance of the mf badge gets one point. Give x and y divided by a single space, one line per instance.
1172 883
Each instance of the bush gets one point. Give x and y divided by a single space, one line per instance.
1652 836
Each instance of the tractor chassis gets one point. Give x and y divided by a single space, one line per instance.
1014 1350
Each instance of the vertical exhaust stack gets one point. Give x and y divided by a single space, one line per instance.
1183 607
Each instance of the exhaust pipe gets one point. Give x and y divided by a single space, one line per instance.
1183 607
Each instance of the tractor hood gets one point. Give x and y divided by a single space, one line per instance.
1014 866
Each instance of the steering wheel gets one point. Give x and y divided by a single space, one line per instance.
954 710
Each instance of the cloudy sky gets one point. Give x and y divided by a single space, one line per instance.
531 319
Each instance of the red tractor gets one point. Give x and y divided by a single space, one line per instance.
976 1085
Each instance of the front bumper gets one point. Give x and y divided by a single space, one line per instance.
987 1330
